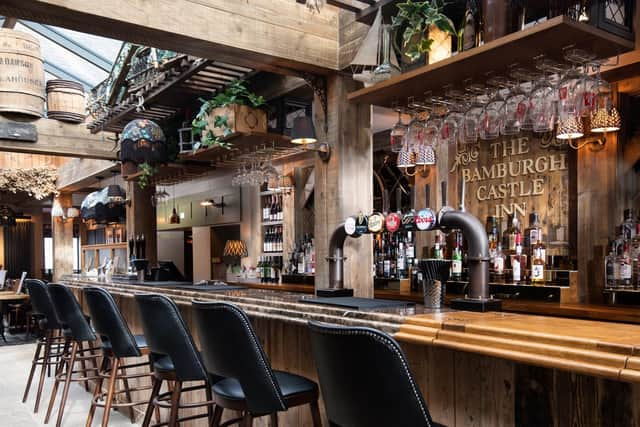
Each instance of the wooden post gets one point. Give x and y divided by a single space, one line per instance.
202 253
62 230
344 184
141 218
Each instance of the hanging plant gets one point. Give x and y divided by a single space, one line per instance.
413 21
38 183
147 172
236 93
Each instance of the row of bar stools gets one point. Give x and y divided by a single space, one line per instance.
175 359
49 346
77 332
118 343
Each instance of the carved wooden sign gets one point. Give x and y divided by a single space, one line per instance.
519 174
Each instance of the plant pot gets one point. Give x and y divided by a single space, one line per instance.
240 118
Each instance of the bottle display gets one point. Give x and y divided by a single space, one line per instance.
621 264
272 239
303 257
272 210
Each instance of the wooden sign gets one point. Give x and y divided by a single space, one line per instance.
518 175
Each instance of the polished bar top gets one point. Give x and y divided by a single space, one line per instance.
605 349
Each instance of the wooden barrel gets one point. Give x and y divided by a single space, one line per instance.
21 73
65 101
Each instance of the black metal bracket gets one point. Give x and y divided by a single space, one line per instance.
319 86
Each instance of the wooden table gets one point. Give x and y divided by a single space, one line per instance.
7 297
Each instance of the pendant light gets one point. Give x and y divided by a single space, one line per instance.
304 133
115 193
175 218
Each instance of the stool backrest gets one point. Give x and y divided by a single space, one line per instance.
230 348
109 323
42 303
365 379
70 313
168 335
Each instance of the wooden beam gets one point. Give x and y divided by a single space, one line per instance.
9 22
57 138
78 174
271 35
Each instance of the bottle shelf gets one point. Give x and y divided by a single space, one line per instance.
272 254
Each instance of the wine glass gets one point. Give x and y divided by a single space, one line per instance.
542 100
398 132
493 113
474 113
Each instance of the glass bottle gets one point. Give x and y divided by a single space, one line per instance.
624 267
508 237
386 69
537 263
533 233
498 263
609 263
629 224
438 250
491 228
456 263
517 260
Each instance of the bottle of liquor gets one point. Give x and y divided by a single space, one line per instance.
410 248
498 263
470 26
401 261
379 257
259 269
629 224
533 233
491 228
508 236
537 263
456 263
624 267
386 266
517 260
438 247
609 268
634 253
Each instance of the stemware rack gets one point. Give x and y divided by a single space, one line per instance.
550 38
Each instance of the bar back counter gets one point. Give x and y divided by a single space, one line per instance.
474 369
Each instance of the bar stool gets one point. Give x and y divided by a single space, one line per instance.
77 331
175 358
230 348
365 379
49 347
118 343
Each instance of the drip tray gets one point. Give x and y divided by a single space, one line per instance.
355 303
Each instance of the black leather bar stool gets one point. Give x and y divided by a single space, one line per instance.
118 343
78 332
49 347
365 379
230 348
175 358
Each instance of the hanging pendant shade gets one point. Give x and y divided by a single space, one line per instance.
175 218
116 194
603 121
143 141
570 128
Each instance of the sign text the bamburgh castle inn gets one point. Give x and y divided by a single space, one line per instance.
521 175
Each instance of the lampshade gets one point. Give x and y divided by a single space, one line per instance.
7 216
426 156
73 213
603 121
570 128
56 209
406 158
235 248
116 194
207 202
142 141
303 131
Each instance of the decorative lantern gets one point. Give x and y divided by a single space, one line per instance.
143 141
97 207
7 216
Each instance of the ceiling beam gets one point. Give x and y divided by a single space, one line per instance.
69 44
57 138
270 35
9 22
78 174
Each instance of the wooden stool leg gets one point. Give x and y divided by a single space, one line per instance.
69 370
209 395
175 402
83 363
34 364
115 362
247 420
127 393
98 390
315 413
217 416
155 390
274 419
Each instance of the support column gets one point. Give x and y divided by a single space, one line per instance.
344 184
62 231
141 218
201 253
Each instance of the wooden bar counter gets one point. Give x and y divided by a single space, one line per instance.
475 369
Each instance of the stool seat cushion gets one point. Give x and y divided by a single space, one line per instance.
290 385
163 364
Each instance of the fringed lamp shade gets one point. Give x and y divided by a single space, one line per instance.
143 141
235 248
97 207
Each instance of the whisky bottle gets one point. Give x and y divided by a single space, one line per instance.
456 263
537 264
491 228
438 250
516 260
498 263
533 233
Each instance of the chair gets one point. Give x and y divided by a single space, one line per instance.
365 379
231 348
175 358
24 309
51 343
118 343
77 331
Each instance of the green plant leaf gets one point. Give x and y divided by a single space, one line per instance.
424 46
445 24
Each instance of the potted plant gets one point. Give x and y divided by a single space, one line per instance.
419 24
236 109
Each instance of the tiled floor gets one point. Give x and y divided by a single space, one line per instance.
15 362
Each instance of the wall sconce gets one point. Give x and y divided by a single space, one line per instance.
304 133
58 211
603 121
212 202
